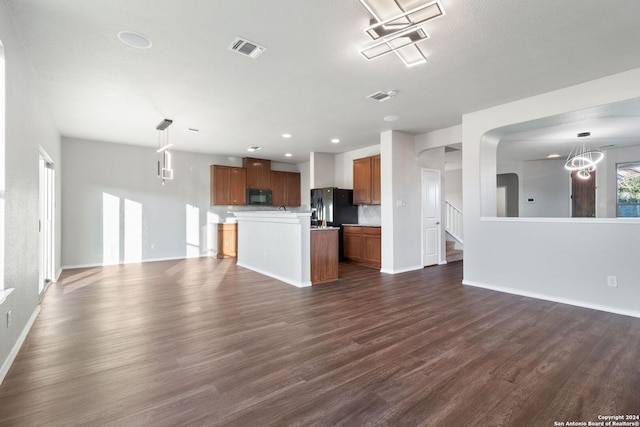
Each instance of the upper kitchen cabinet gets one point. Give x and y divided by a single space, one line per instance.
366 181
285 187
258 173
228 185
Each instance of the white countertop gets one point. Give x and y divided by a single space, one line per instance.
361 225
324 228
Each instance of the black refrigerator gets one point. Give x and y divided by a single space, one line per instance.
333 207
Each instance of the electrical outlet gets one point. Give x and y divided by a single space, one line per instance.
8 318
612 281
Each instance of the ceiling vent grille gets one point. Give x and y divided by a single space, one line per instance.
246 47
382 96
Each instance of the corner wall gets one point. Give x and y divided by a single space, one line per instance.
400 209
566 261
168 222
28 126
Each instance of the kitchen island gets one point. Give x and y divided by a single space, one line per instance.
280 245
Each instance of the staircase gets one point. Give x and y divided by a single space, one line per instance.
453 228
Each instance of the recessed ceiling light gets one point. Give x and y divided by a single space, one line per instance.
553 156
134 40
391 118
286 135
335 140
192 130
288 155
254 148
583 134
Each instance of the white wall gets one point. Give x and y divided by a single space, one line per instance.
322 166
547 182
401 226
305 185
176 218
438 138
28 126
563 260
453 188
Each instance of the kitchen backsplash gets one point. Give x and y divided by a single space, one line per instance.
222 214
369 215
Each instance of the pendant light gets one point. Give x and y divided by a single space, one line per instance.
164 156
583 158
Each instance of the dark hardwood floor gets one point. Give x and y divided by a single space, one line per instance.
204 342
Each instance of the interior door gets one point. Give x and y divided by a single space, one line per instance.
430 217
583 196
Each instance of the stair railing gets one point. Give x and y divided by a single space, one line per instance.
453 224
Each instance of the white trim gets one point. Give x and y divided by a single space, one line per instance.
560 300
562 220
401 270
18 345
297 284
4 293
65 267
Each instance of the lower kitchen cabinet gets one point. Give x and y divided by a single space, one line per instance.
324 255
227 240
362 245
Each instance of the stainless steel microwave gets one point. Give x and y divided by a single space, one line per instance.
259 197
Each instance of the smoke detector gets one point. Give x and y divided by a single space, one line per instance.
382 96
246 47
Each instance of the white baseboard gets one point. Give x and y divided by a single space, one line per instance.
65 267
401 270
16 348
298 284
551 298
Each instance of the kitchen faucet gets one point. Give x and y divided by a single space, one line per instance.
282 207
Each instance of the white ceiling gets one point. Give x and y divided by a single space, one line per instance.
311 82
610 126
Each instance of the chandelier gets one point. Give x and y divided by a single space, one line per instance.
164 156
397 26
583 158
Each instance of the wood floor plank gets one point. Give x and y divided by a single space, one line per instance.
205 342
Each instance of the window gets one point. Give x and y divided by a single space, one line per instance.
628 190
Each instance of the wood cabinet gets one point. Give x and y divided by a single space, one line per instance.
324 255
352 237
371 246
228 185
285 187
362 245
227 240
375 180
258 173
366 181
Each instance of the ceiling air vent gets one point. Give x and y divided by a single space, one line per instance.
246 48
382 96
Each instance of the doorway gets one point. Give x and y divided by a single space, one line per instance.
46 222
431 214
583 195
